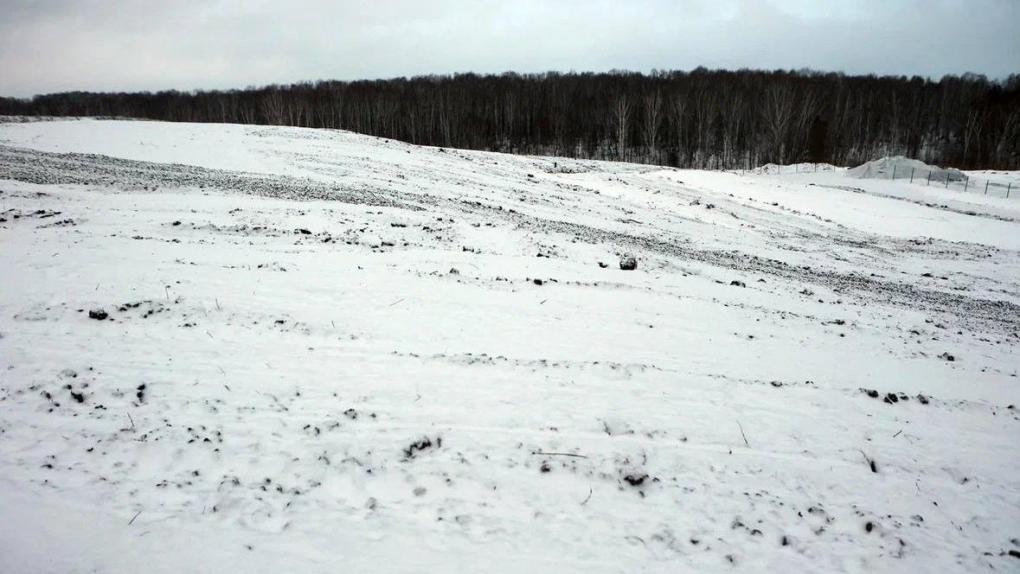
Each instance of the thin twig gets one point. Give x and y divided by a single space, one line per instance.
132 421
870 461
587 499
135 516
538 452
898 433
747 444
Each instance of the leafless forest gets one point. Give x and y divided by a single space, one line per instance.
701 119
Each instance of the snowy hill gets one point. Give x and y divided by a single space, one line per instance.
230 348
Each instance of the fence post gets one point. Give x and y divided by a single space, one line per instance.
894 172
947 180
929 177
986 187
912 174
966 182
1008 187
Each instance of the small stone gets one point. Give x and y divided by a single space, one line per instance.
98 314
635 479
628 263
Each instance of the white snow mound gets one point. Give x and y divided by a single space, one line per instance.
901 167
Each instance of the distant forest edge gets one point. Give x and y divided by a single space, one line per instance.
700 119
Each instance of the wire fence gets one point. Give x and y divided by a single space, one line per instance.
951 179
775 169
956 180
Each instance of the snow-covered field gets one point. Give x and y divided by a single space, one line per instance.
325 352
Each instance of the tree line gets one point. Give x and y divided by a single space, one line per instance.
701 119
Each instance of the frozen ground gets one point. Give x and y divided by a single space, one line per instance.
326 352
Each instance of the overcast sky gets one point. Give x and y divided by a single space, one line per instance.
126 45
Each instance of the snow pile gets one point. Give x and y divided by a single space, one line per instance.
997 176
254 349
901 167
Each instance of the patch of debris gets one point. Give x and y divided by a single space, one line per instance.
98 314
420 445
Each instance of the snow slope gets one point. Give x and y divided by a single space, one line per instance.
329 352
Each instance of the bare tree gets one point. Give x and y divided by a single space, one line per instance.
272 106
621 115
777 111
653 119
679 109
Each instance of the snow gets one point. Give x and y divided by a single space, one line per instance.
776 169
891 167
303 306
922 211
1001 177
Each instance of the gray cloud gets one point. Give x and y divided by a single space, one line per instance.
56 45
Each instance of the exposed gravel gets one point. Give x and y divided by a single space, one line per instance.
37 167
